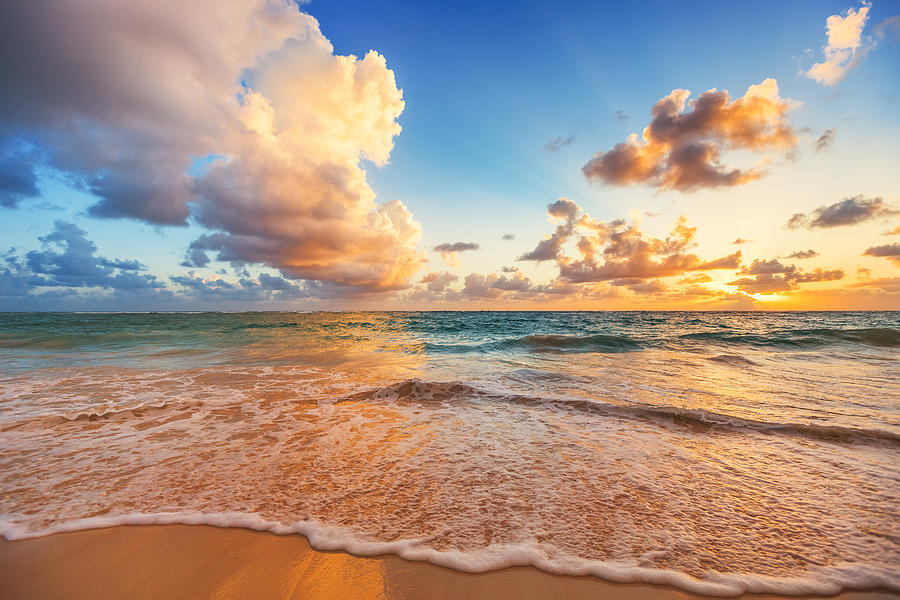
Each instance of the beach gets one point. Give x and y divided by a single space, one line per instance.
179 561
716 453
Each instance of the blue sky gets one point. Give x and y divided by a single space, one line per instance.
487 86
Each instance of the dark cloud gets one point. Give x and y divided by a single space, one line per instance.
448 251
849 211
825 140
17 178
803 254
771 276
557 144
739 241
456 247
888 251
681 149
265 288
68 259
508 236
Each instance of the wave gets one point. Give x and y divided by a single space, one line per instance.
819 580
884 337
548 343
797 339
417 390
733 360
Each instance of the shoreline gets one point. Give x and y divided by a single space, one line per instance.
204 561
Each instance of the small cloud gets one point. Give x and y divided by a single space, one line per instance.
772 276
682 146
557 144
888 251
438 282
508 236
698 278
739 241
889 28
845 48
509 269
849 211
803 254
621 116
825 140
448 251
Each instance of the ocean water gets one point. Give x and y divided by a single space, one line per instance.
717 452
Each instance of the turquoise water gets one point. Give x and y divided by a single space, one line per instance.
720 452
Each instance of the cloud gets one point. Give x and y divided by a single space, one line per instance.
616 251
803 254
246 289
696 278
438 282
125 98
772 276
824 141
68 259
888 251
508 236
557 144
17 178
682 146
848 211
621 116
68 274
845 48
739 241
449 251
890 27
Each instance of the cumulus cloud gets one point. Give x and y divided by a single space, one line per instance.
126 97
449 251
619 252
848 211
845 48
681 148
824 141
557 144
888 251
67 273
772 276
803 254
438 282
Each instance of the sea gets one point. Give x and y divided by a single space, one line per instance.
718 452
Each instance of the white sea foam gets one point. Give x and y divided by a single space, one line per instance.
323 537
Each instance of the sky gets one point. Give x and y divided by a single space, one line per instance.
270 155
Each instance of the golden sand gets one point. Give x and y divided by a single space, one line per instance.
179 561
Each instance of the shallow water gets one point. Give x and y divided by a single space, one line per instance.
720 452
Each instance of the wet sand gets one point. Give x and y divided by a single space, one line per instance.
179 561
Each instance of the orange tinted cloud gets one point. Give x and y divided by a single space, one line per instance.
681 148
771 276
128 100
617 251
